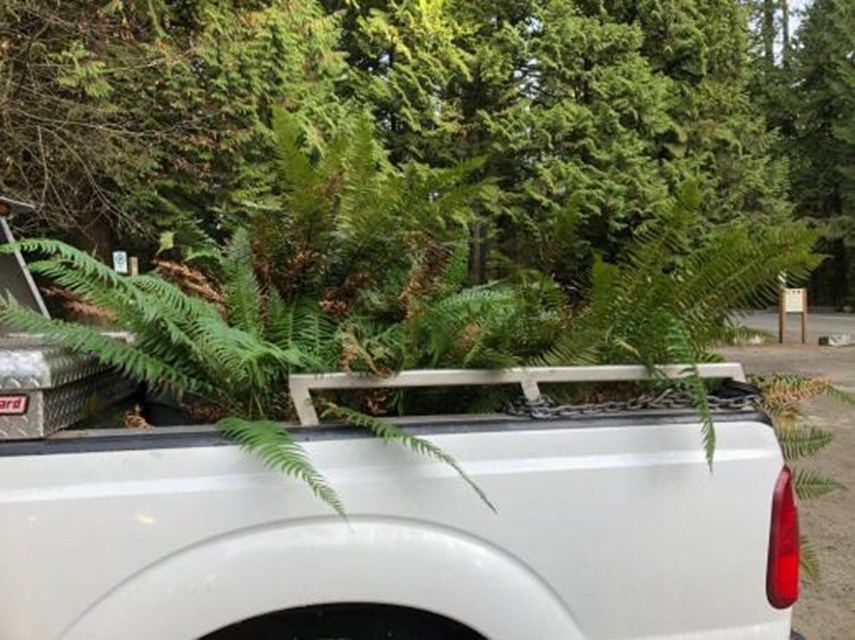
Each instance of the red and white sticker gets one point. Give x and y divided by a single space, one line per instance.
13 405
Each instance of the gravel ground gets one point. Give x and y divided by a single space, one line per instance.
826 610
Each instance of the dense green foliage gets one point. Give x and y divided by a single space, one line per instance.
808 95
588 115
117 117
822 144
128 116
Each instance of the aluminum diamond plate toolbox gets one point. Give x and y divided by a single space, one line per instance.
44 388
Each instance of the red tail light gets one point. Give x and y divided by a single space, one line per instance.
782 577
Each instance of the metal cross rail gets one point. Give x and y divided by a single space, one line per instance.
301 385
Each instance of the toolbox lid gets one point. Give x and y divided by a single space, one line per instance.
31 362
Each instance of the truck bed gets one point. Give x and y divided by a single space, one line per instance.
607 527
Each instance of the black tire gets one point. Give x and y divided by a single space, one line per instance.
347 622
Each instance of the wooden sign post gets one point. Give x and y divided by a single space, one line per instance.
792 301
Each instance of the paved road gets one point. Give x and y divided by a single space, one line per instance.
819 324
826 610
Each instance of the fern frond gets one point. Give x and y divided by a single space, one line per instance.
279 320
605 288
84 340
296 168
799 442
169 341
243 292
839 394
362 181
482 312
579 346
241 357
119 300
171 297
313 333
681 351
390 432
808 559
784 394
457 269
737 268
810 485
276 448
56 248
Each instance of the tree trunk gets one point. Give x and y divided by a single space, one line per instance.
849 275
478 253
785 31
768 33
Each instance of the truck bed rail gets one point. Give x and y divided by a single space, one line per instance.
301 385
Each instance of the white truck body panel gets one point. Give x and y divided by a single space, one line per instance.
606 529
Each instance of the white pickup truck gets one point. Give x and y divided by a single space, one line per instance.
608 526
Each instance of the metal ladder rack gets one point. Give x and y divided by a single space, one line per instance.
301 385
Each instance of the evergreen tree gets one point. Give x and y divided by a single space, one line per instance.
584 115
587 114
116 116
822 146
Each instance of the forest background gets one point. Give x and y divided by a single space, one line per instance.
143 124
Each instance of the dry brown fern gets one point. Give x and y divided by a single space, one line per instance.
785 394
192 281
77 306
425 276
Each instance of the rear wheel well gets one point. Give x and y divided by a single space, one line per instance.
347 621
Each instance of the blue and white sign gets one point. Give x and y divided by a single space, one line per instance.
120 261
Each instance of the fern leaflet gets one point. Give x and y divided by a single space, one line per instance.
389 432
810 485
272 443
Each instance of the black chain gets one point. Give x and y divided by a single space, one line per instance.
544 408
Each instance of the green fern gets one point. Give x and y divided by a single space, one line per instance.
294 164
668 299
313 332
179 304
127 358
680 350
808 560
179 342
243 292
810 485
65 252
839 394
469 327
271 442
390 432
344 212
801 442
235 365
